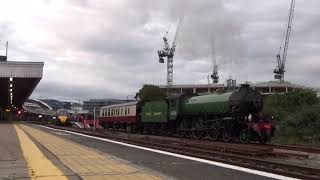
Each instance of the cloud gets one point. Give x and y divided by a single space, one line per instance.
96 48
71 93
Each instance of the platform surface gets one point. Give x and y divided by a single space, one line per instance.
25 147
12 162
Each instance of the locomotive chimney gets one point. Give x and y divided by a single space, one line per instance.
245 86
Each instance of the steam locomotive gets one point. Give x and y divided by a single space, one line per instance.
228 116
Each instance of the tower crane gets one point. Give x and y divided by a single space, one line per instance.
214 76
168 52
281 61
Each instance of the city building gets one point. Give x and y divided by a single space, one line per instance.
77 108
97 103
66 105
271 87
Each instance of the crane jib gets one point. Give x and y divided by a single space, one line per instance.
168 52
281 61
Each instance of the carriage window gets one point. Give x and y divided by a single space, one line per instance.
128 110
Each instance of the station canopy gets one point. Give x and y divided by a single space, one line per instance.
17 82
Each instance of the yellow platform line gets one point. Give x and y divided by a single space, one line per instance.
88 163
40 167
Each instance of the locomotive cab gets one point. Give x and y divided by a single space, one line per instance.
63 117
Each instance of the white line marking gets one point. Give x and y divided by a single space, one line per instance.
247 170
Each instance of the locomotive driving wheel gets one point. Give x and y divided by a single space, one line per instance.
197 134
183 130
188 133
244 136
213 134
180 133
197 127
226 136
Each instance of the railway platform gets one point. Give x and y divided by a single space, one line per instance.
30 153
36 152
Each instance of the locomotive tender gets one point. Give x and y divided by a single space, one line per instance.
228 116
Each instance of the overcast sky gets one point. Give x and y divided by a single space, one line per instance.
108 49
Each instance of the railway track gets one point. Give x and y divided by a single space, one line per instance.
251 156
314 150
238 160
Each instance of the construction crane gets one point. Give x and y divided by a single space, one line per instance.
214 76
168 52
281 61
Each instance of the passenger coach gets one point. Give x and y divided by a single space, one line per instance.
119 116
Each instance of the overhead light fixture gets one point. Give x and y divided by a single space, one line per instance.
11 79
11 85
